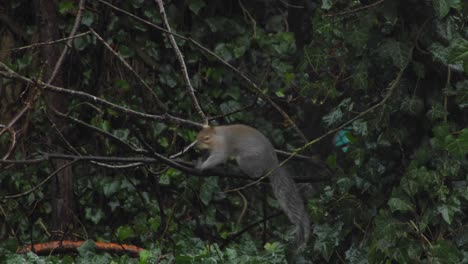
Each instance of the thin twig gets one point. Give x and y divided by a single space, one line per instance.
184 150
69 41
183 67
356 9
119 141
41 183
46 43
447 87
12 144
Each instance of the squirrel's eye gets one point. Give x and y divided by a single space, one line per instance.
206 137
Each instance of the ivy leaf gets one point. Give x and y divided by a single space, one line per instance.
360 77
462 93
88 19
111 188
398 204
441 7
223 51
65 7
207 190
94 215
229 107
459 145
439 52
87 246
360 127
448 210
328 237
196 5
459 53
444 251
358 36
397 51
124 232
327 4
356 255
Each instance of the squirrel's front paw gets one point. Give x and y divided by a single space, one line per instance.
198 164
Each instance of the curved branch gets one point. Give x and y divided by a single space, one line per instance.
41 183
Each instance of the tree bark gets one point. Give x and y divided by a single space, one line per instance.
62 186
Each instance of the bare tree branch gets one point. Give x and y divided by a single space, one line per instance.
181 165
46 43
183 67
10 74
356 10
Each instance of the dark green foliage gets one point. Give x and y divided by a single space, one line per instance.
400 192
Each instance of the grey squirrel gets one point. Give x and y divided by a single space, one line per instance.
256 156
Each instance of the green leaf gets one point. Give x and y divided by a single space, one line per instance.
360 77
122 84
88 18
328 237
459 51
136 3
239 51
441 7
229 107
196 5
399 204
360 127
208 189
459 146
111 188
462 93
398 52
327 4
444 251
121 134
65 7
87 246
224 52
95 215
449 209
440 52
124 232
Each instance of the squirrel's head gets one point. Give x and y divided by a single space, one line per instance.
206 137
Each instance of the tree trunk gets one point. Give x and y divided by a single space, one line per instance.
62 185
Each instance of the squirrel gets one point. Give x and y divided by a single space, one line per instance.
256 157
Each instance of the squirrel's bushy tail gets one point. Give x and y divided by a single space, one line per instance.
287 194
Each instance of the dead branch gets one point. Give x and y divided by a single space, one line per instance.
65 246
